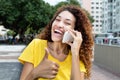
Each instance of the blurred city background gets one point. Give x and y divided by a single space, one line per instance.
22 20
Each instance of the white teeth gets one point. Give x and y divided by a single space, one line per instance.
58 31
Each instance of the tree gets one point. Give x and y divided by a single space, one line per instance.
74 2
18 15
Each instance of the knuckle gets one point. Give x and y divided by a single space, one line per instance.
53 76
54 72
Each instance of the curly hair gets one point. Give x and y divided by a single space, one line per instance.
82 25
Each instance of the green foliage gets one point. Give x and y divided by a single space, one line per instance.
73 2
10 33
5 11
17 15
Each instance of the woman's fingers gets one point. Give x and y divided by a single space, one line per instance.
72 33
75 34
54 66
47 68
69 43
78 34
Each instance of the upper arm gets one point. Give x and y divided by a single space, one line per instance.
27 68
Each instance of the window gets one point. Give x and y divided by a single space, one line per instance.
97 21
97 3
92 16
92 12
109 13
97 12
96 25
97 7
97 16
110 1
92 2
92 7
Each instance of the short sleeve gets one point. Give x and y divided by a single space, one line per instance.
28 53
82 67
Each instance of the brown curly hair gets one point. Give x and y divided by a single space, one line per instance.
83 25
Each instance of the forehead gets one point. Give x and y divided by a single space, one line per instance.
66 15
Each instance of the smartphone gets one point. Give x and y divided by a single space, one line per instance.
67 37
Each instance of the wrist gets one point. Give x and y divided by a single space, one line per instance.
75 53
37 73
30 76
34 74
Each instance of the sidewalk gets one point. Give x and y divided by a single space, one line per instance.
101 74
10 53
10 68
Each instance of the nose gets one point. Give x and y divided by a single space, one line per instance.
61 24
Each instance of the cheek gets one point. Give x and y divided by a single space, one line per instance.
54 22
69 28
73 27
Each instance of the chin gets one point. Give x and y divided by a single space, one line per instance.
56 40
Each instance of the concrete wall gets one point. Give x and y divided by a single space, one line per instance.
108 57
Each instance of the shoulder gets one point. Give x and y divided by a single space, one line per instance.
37 41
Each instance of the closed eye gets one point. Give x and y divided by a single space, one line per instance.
68 23
57 19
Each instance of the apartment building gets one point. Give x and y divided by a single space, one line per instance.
96 13
116 17
111 17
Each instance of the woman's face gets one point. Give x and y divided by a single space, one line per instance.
63 21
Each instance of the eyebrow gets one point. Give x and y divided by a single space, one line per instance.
65 19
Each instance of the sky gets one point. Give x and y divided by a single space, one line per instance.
53 2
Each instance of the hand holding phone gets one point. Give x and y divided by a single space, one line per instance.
67 37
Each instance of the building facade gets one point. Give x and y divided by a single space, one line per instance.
96 13
116 17
111 17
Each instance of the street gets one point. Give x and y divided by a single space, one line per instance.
10 68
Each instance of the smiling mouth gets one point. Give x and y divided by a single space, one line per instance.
58 32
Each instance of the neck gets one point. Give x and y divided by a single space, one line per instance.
57 47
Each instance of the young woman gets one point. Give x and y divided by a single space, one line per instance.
48 58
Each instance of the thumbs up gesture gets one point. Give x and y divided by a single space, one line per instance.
47 69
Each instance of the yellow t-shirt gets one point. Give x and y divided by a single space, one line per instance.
35 52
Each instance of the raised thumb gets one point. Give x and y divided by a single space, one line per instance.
46 53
